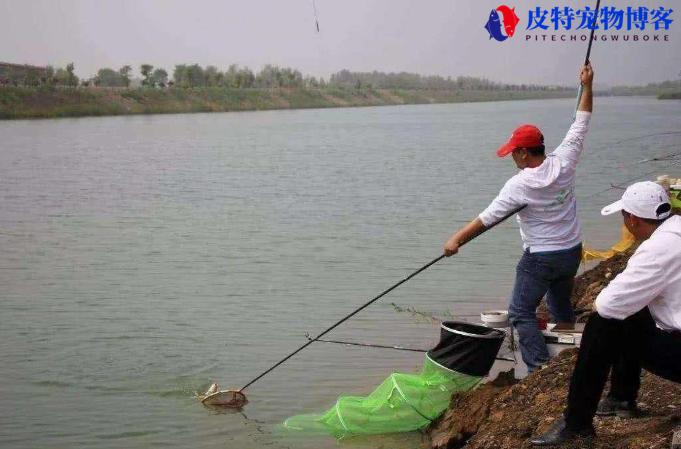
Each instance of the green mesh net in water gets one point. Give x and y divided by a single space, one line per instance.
402 403
406 402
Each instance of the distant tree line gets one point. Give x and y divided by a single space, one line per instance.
665 87
405 80
236 77
270 76
35 76
107 77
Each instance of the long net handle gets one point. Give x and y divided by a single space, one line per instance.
429 264
376 298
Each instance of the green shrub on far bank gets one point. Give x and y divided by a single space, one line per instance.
670 96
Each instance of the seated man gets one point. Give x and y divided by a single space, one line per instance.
637 321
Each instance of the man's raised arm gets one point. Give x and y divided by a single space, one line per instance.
571 147
586 100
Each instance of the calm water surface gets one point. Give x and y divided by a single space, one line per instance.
142 258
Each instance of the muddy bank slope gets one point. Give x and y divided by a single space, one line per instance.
505 414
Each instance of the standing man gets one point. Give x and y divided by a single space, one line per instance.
549 226
637 322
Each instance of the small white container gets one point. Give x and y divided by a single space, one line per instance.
495 318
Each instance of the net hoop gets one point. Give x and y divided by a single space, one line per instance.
227 398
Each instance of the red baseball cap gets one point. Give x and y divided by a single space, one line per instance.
524 136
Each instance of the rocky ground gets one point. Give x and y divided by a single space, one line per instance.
504 414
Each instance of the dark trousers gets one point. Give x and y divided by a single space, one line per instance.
625 346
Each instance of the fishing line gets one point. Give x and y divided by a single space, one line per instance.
316 18
318 42
647 135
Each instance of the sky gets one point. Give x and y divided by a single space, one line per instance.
434 37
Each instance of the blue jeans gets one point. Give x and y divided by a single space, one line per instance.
549 273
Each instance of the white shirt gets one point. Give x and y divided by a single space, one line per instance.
652 278
549 222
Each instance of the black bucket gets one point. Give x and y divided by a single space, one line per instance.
467 348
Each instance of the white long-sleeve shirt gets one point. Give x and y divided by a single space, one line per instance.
549 222
652 278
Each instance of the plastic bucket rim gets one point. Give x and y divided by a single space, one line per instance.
486 332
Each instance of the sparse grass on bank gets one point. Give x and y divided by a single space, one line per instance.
24 102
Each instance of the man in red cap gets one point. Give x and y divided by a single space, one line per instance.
549 226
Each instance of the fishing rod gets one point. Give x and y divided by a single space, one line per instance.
627 181
593 28
366 345
377 346
376 298
588 51
667 157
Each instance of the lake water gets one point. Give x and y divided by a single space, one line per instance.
144 257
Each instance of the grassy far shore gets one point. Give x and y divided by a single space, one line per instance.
25 102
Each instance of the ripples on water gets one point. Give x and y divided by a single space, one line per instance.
145 257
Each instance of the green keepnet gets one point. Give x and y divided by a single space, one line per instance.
402 403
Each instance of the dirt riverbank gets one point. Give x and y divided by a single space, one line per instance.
504 414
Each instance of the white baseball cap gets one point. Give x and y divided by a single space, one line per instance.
645 199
